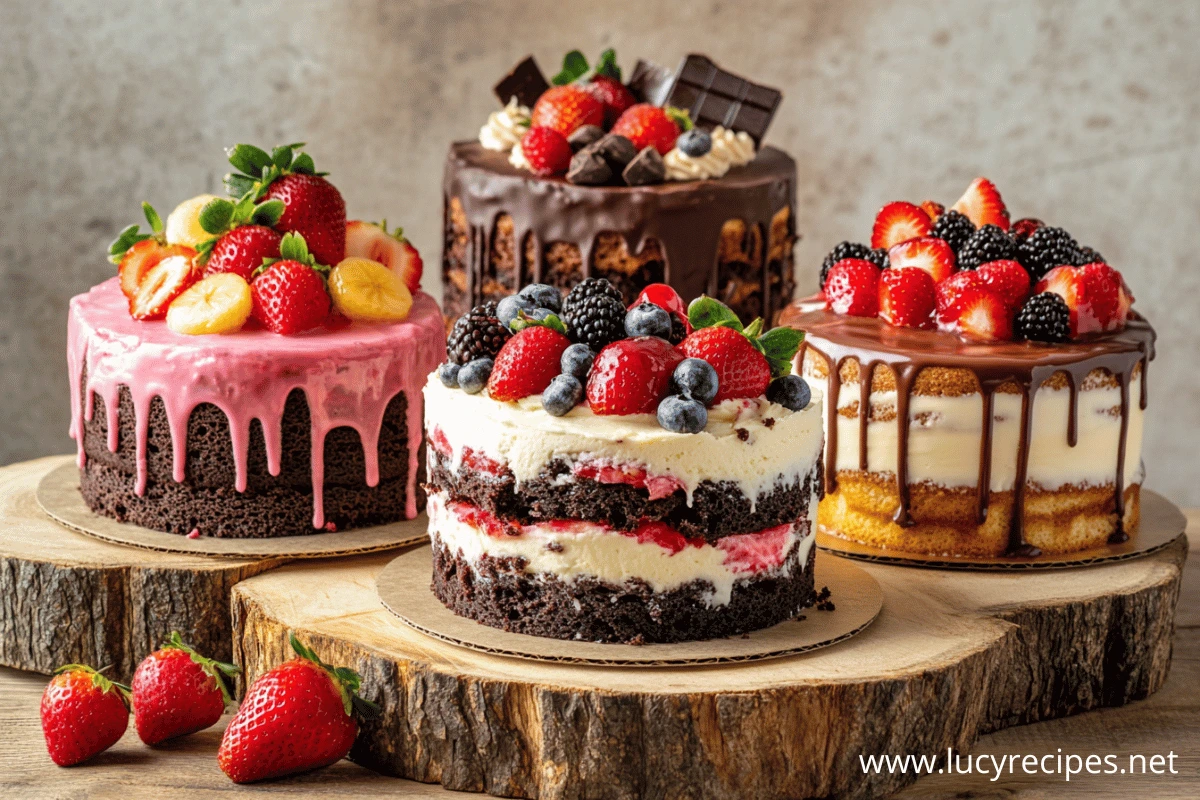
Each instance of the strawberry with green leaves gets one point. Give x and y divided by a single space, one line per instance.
391 248
530 359
602 81
289 293
650 126
177 691
83 713
313 208
139 254
242 236
296 717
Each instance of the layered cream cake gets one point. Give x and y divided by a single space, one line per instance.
990 403
602 514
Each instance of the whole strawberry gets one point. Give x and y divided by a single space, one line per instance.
546 150
290 295
294 718
242 250
650 126
313 208
631 376
528 361
83 713
907 298
177 691
742 371
612 94
565 108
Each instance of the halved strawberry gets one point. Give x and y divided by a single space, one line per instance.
852 288
950 294
1103 286
168 279
983 317
906 297
1023 228
898 222
374 241
933 208
142 257
1007 279
1065 282
982 204
927 253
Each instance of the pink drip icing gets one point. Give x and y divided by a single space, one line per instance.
348 377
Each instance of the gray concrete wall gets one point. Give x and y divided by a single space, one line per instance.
1085 114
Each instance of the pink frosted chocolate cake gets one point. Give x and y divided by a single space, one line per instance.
255 369
618 476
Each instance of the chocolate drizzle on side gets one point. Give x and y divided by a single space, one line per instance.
1027 366
685 218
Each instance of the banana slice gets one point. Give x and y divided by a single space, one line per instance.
220 303
367 291
183 224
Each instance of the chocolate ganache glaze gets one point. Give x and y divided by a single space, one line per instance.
684 218
1026 365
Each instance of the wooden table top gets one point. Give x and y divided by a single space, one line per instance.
1169 721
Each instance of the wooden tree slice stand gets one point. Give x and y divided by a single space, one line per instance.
66 597
953 655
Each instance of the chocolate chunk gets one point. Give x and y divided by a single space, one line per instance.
646 168
650 82
525 82
617 150
585 135
588 168
714 97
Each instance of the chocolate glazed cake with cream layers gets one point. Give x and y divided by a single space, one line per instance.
718 222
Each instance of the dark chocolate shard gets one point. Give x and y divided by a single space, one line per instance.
714 97
588 168
584 135
646 168
650 83
616 149
525 82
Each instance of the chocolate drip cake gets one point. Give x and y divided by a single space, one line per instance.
977 409
627 490
662 179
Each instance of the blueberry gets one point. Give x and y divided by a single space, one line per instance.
563 394
682 414
695 378
647 319
790 391
506 309
474 375
577 360
448 374
694 143
543 296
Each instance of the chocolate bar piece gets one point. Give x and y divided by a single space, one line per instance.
715 97
588 168
526 83
649 82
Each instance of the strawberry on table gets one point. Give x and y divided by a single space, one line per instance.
374 241
898 222
907 297
631 376
546 150
242 250
177 691
852 288
296 717
650 126
982 204
1006 278
927 253
290 295
529 360
83 713
565 108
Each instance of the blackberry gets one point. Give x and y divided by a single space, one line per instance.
476 334
1088 256
878 257
1045 249
989 243
953 228
1044 318
594 313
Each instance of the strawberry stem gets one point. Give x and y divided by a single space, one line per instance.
348 681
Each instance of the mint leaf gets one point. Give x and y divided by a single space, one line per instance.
249 159
267 213
607 65
574 66
152 217
705 312
216 215
780 346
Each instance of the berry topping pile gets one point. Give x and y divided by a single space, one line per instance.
279 252
654 357
969 270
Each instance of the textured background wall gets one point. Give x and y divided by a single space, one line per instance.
1085 113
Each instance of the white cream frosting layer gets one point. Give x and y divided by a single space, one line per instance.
729 149
524 437
591 550
945 437
504 129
